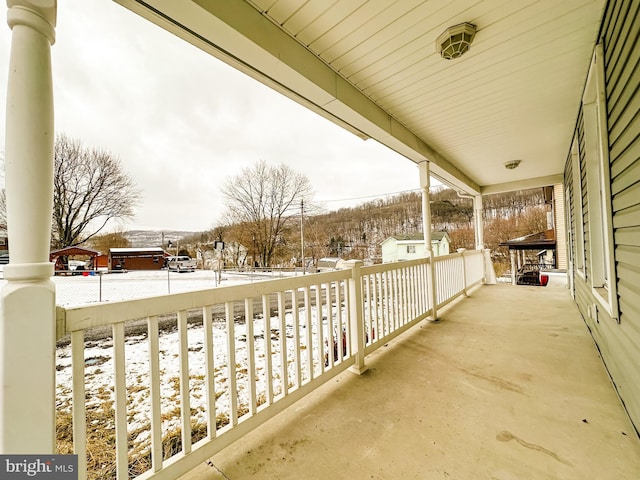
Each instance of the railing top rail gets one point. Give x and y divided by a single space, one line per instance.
465 253
382 267
96 315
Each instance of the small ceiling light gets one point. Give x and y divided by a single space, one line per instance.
512 164
455 40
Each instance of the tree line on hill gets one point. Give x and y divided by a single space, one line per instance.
357 232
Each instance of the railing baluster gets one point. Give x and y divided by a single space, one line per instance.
444 282
340 314
347 318
424 287
412 285
284 371
78 401
387 301
418 290
331 345
309 327
120 394
185 404
440 281
154 380
376 308
320 326
268 369
295 314
381 305
369 308
207 323
404 297
231 364
251 355
397 277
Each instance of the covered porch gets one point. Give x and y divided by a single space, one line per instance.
507 385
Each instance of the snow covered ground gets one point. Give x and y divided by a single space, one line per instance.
79 289
72 290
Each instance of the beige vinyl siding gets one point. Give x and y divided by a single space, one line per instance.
618 339
622 66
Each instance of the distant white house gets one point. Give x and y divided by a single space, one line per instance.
409 247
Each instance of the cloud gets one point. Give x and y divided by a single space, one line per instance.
182 122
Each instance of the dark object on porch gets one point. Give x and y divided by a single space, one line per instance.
531 274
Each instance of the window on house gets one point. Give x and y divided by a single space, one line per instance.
411 249
601 266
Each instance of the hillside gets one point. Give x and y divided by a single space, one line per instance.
154 238
358 231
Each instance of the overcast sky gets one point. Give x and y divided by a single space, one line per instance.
182 122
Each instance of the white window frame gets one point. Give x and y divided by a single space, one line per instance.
570 242
411 249
578 245
601 245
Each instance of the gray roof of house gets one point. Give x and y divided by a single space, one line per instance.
437 236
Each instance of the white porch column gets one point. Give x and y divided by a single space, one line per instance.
478 222
27 302
512 254
425 183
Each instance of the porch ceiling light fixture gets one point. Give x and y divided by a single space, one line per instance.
455 41
512 164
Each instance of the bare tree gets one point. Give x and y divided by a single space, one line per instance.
90 188
266 198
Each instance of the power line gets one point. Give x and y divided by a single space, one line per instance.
370 196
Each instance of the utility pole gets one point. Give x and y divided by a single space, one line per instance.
304 267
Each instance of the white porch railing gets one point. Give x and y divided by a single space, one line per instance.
262 346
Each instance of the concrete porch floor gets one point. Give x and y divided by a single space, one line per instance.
508 385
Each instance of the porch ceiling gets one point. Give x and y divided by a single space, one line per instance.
372 66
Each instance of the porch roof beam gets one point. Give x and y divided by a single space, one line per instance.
522 184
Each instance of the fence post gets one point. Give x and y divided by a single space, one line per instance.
356 317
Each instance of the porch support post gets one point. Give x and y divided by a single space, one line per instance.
27 301
425 183
512 254
478 222
356 317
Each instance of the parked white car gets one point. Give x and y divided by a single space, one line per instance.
181 263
